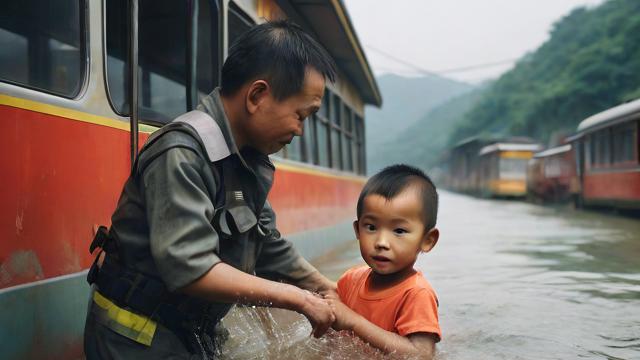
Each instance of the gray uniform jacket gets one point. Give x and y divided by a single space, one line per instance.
166 219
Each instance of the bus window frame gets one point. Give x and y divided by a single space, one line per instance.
216 12
622 164
236 10
593 145
84 55
359 128
335 124
347 138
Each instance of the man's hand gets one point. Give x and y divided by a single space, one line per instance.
318 312
316 282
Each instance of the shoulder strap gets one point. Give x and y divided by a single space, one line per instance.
194 130
159 142
209 132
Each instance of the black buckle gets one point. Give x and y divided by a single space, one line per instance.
94 271
101 238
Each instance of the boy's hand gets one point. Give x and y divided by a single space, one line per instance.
318 312
345 317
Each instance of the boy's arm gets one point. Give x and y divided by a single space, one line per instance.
417 344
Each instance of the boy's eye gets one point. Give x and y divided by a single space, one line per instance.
370 227
400 231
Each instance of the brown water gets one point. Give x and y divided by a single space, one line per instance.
514 280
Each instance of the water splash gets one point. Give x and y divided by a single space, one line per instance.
259 333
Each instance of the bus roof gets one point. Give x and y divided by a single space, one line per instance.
610 116
509 147
553 151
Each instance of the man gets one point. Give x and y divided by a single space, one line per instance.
193 226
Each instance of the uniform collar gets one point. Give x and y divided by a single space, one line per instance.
212 105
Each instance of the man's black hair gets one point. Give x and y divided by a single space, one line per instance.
278 52
392 180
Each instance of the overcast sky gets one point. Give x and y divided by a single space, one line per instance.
438 35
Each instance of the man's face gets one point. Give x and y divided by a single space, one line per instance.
275 123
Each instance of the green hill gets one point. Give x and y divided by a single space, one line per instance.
421 143
406 100
591 62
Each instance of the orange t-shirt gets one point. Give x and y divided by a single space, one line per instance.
406 308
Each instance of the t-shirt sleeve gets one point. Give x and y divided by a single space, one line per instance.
345 284
342 286
419 313
179 211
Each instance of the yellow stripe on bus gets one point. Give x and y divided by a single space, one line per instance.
122 125
70 113
305 170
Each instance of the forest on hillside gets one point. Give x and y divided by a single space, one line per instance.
591 62
422 143
406 101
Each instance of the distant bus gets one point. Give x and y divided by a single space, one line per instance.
608 164
462 166
503 168
551 175
67 138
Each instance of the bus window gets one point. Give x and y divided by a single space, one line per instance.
208 48
322 128
602 148
360 153
512 168
163 40
294 150
336 112
239 23
624 143
42 45
310 145
347 151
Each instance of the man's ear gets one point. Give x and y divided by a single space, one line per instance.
356 229
430 240
257 92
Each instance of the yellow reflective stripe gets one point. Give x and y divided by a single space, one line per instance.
136 327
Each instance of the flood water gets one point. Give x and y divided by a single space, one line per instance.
514 280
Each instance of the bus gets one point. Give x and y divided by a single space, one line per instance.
70 71
551 175
503 168
607 161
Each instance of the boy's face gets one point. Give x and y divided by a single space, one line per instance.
273 123
392 232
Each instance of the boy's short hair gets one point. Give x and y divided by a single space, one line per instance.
393 179
278 52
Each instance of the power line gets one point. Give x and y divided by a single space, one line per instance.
441 72
415 67
478 66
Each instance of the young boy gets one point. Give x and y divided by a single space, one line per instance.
388 303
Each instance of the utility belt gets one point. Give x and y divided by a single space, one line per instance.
131 303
